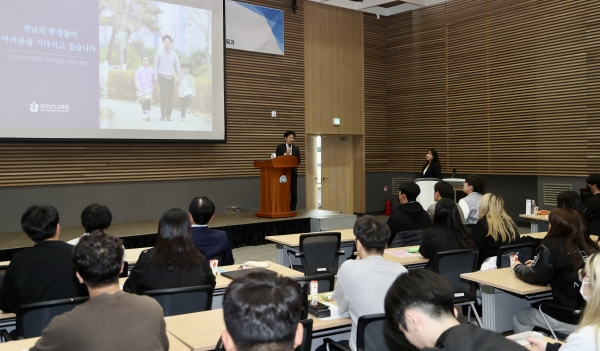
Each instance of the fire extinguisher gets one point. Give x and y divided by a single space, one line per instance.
388 207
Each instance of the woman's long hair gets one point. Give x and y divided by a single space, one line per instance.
570 200
435 159
591 313
447 216
500 226
569 228
174 245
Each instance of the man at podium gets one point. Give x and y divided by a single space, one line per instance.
288 148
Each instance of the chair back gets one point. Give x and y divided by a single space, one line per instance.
451 264
373 334
525 251
407 238
183 300
326 281
307 339
33 318
320 253
594 226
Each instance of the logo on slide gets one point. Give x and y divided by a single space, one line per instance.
33 107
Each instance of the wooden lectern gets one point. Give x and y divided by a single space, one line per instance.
275 178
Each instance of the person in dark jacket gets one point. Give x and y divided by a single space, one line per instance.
420 304
447 233
494 228
286 149
410 215
43 272
592 205
213 243
557 260
432 167
174 262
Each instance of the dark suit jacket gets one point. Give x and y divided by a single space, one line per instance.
43 272
592 207
282 148
213 243
434 171
145 276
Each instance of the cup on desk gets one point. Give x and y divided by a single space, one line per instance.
513 258
214 264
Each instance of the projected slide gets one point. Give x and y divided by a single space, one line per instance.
112 69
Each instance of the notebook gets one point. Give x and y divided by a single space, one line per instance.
241 272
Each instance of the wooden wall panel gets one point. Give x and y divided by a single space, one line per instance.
256 85
377 142
522 86
334 69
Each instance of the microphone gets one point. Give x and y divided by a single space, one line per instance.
453 172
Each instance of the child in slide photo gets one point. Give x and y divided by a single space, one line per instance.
144 84
186 89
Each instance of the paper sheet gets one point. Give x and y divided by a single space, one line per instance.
401 253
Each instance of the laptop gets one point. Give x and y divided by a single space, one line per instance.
241 272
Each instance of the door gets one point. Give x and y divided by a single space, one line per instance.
337 173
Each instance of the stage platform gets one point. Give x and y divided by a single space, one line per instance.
243 229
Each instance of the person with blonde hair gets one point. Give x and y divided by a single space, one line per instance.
494 228
587 335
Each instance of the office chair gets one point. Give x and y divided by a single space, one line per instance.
326 281
33 318
450 265
566 315
407 238
320 253
373 334
525 251
183 300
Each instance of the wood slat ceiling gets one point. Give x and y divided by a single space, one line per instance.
256 85
496 86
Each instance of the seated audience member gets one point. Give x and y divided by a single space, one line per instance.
592 205
494 228
262 312
410 215
43 272
94 217
558 258
111 319
443 190
361 284
447 233
213 243
587 334
174 262
420 303
474 187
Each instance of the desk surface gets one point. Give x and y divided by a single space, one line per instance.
542 235
294 239
535 217
506 280
132 255
405 261
187 326
18 345
223 282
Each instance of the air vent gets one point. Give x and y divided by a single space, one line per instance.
552 190
396 183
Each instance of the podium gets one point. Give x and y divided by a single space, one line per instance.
275 182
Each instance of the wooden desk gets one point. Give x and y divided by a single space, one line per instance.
202 330
223 282
503 295
542 235
534 220
19 345
413 262
132 255
292 241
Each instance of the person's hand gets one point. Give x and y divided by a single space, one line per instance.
514 264
536 344
529 262
288 152
176 80
155 79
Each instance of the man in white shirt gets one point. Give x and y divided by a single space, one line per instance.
166 65
474 187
